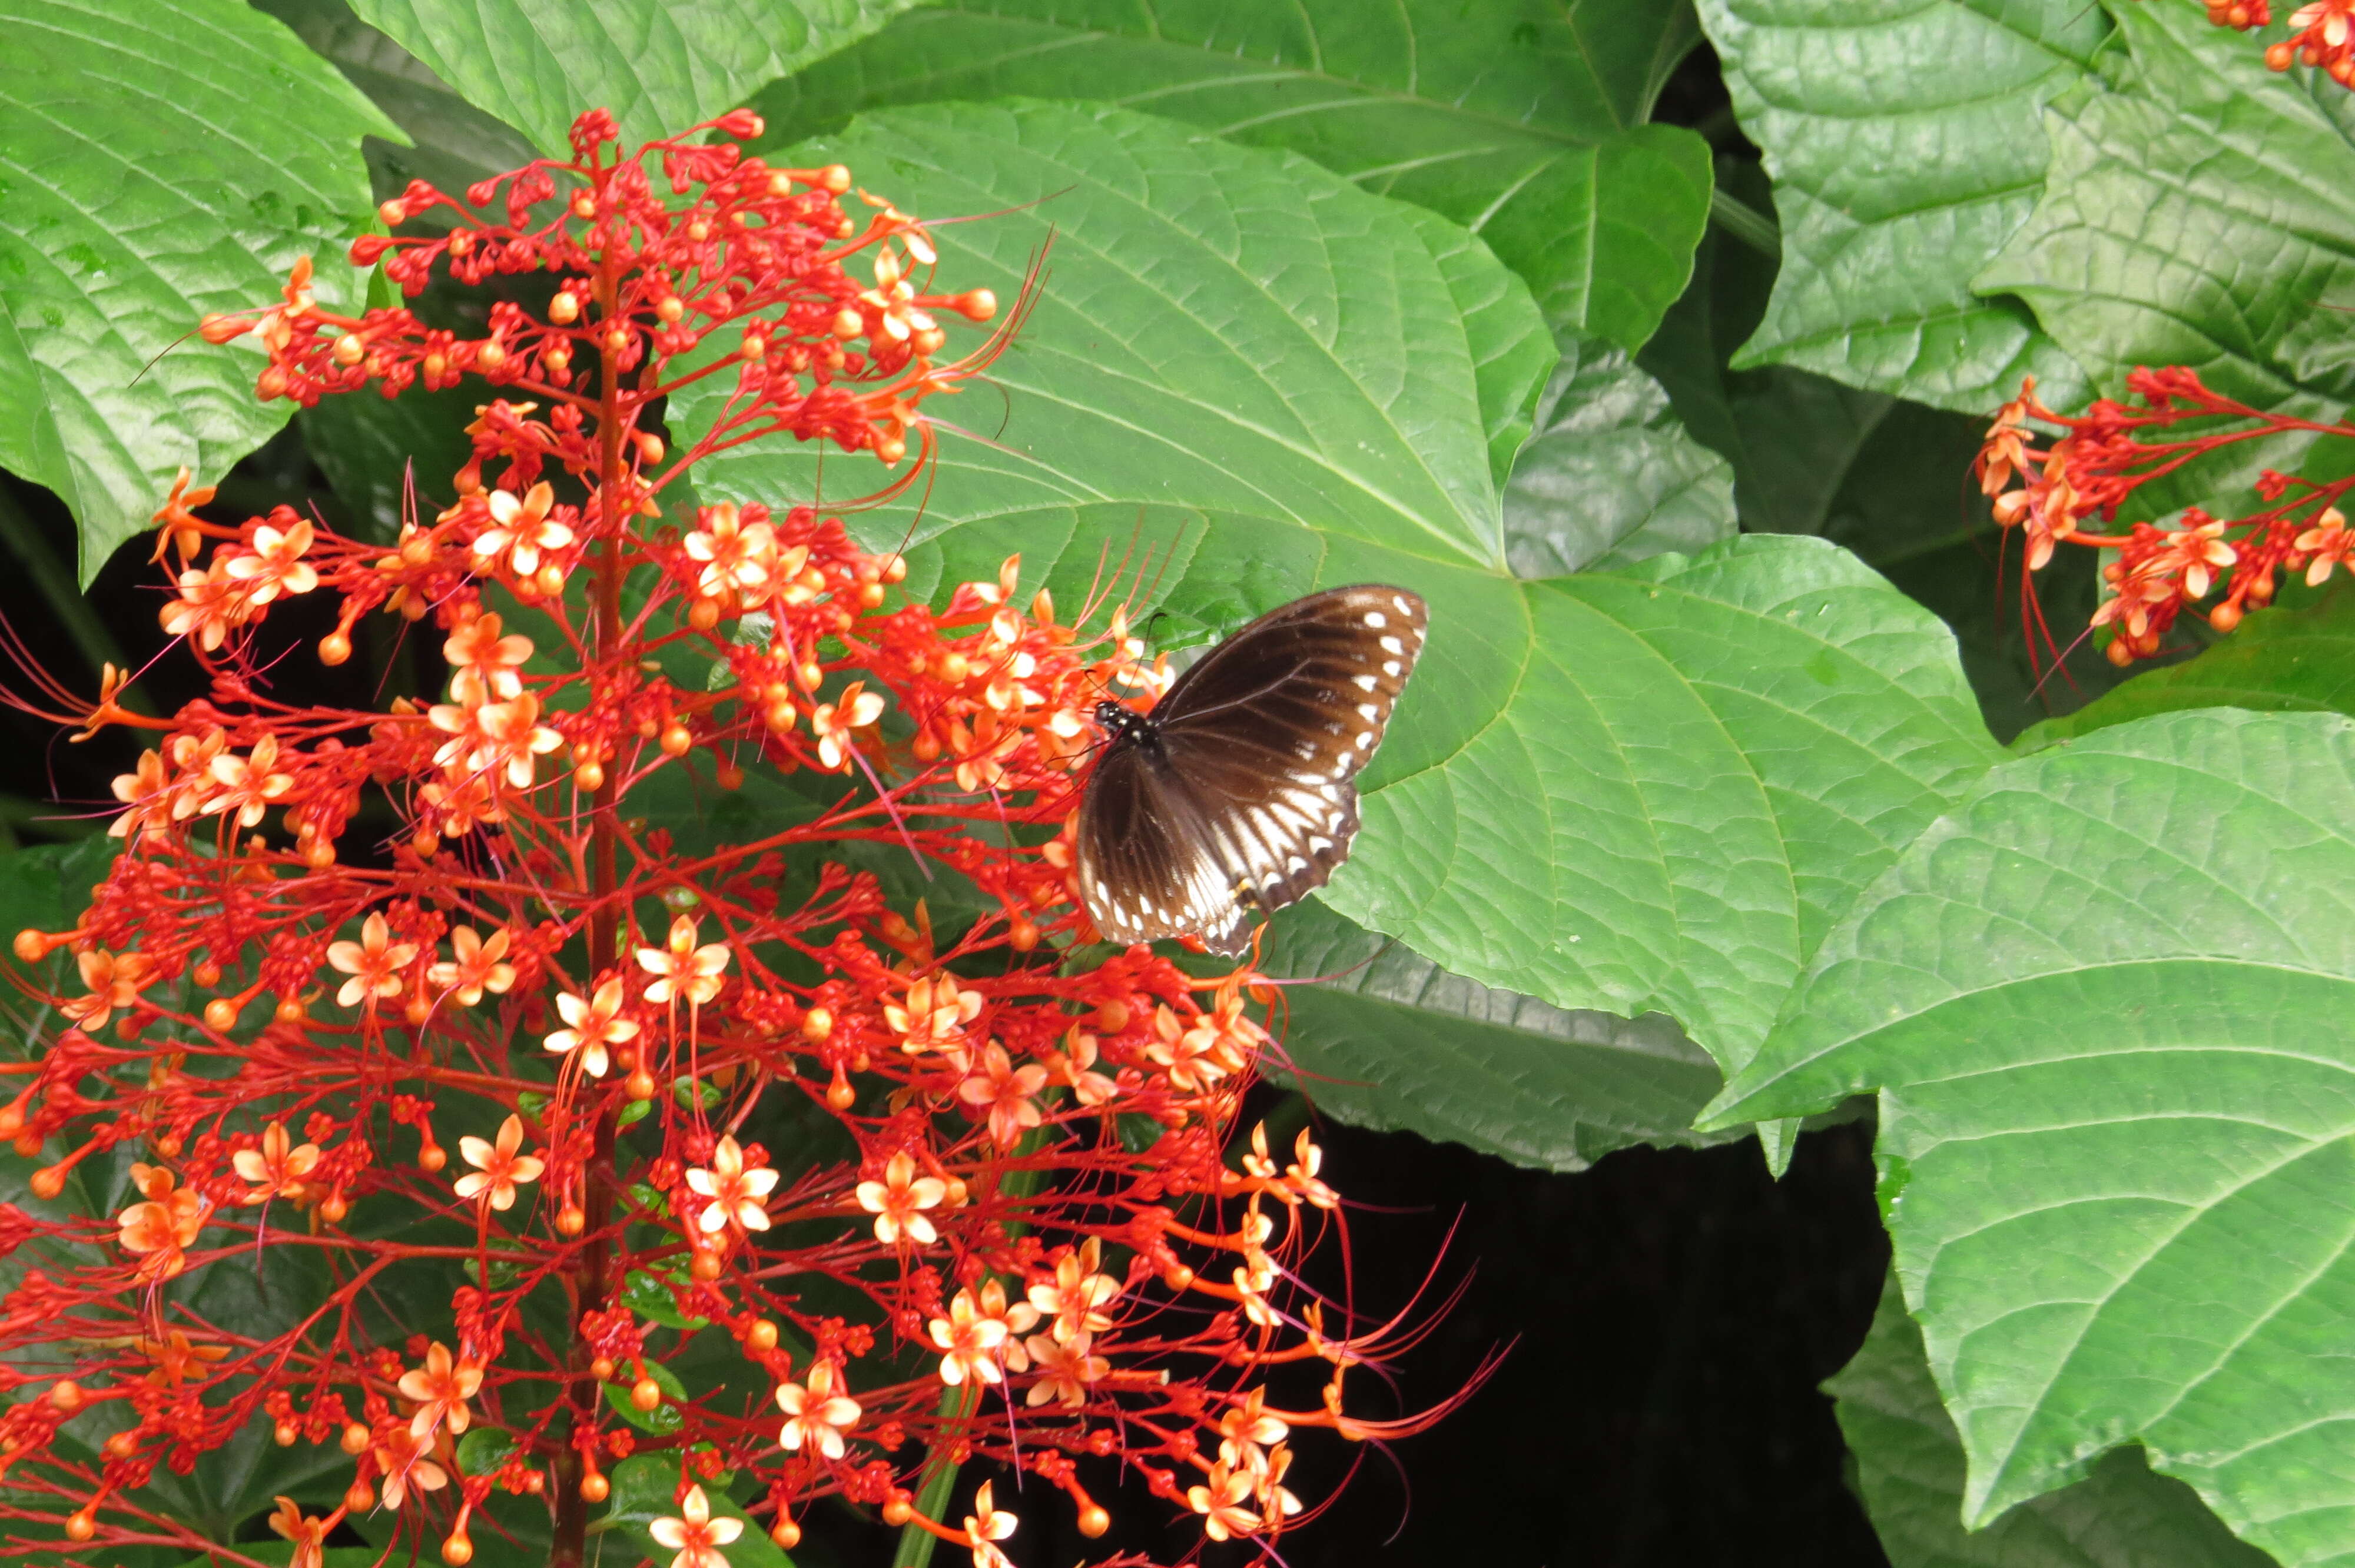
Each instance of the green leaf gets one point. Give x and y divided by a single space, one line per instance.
1904 142
664 1417
2287 660
1611 477
650 1297
1393 1041
159 159
2116 1150
1523 120
643 1492
1909 1467
659 67
484 1449
452 142
2245 173
1640 793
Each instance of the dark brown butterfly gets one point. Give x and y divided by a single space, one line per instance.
1234 793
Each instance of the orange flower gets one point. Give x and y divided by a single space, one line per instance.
276 1170
985 1526
1006 1090
520 530
1065 1370
1220 1501
821 1413
176 523
971 1342
374 962
735 1192
596 1024
833 722
275 564
176 1359
308 1535
490 662
476 967
695 1535
161 1229
1073 1297
113 980
498 1168
249 786
682 969
441 1389
898 1201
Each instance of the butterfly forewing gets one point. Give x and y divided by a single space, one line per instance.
1236 793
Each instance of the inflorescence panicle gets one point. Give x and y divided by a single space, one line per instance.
947 1188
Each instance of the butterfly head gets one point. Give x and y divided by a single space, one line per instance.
1118 720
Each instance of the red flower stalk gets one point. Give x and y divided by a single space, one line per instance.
2098 460
947 1190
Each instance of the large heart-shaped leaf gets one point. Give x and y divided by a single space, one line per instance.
1905 142
159 159
1522 120
660 68
2290 660
1641 792
2099 1001
1387 1039
1909 1468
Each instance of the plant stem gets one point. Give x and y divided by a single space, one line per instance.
588 1281
916 1543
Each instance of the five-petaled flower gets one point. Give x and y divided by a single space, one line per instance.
440 1389
1005 1090
596 1024
161 1229
477 966
898 1200
971 1342
308 1534
499 1168
521 530
374 962
821 1412
682 969
735 1192
278 1167
695 1534
832 722
985 1526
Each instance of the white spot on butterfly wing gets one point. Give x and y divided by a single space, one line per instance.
1377 619
1364 683
1392 645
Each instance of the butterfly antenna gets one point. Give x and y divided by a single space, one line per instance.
892 808
158 356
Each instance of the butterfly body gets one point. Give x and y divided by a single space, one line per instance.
1235 794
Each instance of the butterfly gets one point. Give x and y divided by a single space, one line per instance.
1234 793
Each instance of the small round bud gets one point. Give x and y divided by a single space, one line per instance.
977 304
728 776
220 1014
817 1023
48 1180
2278 57
781 716
646 1394
704 1266
550 580
354 1438
676 739
271 383
349 350
285 1433
393 212
899 1507
571 1220
458 1550
840 1095
491 354
334 648
29 1143
595 1487
617 339
669 308
82 1523
123 1444
834 179
589 778
290 1011
1178 1277
584 205
754 347
639 1085
558 358
168 1144
66 1394
32 946
335 1206
651 450
358 1497
1093 1520
602 1369
1112 1017
431 1156
760 1334
786 1534
848 323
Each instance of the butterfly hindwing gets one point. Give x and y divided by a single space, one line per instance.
1237 791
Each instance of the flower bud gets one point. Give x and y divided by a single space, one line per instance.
220 1014
602 1369
32 946
458 1550
899 1507
977 304
785 1532
646 1394
1093 1520
760 1334
393 212
354 1438
66 1394
595 1487
491 354
334 648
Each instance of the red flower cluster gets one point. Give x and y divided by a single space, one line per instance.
2324 35
935 1188
2103 456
